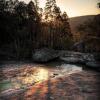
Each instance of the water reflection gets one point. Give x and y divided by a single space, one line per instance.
28 76
40 74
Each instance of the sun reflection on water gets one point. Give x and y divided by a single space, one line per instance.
41 74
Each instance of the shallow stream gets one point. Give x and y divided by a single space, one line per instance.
16 76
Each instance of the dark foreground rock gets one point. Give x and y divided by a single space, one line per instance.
45 55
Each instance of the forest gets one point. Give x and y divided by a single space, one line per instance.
25 27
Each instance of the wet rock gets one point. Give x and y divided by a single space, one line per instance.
55 74
52 76
76 57
45 55
93 65
72 59
52 98
88 57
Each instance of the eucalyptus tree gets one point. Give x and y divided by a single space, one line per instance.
50 4
36 3
34 21
65 20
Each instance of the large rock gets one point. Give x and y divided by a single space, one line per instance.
76 57
44 55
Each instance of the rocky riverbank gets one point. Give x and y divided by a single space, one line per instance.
88 59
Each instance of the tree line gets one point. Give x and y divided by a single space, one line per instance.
25 27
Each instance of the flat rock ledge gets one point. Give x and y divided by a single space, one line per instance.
76 57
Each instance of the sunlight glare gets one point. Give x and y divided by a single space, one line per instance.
41 74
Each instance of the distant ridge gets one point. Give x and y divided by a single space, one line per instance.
75 21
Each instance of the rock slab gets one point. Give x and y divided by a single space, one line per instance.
44 55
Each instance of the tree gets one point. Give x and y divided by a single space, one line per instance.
8 5
66 25
36 3
2 5
56 13
50 4
21 9
34 20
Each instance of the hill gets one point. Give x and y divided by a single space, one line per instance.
75 21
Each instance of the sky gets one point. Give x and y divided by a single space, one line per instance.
75 7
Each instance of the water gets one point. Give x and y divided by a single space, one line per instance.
21 76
